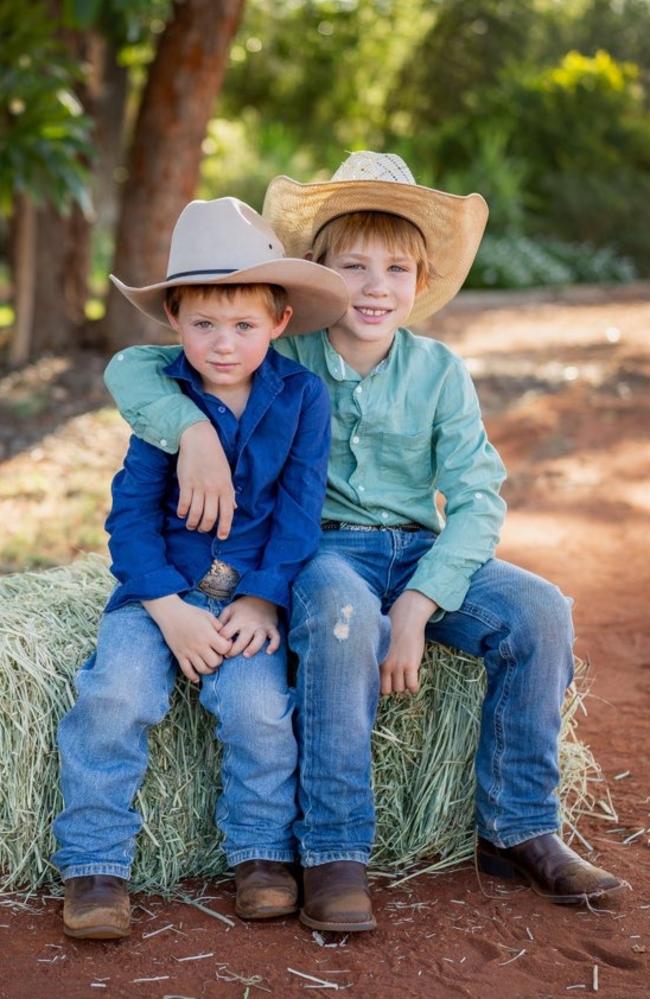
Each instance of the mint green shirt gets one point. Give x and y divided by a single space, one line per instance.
402 434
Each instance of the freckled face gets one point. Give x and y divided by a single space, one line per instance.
226 340
382 286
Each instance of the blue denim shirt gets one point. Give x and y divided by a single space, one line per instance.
278 454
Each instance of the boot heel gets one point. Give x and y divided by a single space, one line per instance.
496 866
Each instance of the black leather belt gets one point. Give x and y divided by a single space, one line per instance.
345 525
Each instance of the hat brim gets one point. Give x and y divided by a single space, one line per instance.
317 295
451 224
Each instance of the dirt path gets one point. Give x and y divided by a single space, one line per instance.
565 394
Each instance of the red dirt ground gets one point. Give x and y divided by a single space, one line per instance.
565 393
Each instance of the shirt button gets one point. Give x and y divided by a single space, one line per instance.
358 390
162 442
222 409
384 515
361 488
120 357
355 440
478 495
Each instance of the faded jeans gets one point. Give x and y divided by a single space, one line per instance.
517 622
123 690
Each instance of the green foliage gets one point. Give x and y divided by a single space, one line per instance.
517 99
121 20
44 133
324 70
516 261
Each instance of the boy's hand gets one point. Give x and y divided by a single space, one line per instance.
207 496
408 615
192 633
250 621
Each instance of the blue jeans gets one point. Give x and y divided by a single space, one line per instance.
517 622
123 690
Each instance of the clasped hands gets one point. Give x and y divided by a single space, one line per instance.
200 641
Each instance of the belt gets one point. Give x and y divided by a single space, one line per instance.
220 581
345 525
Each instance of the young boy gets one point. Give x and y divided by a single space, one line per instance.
390 571
209 606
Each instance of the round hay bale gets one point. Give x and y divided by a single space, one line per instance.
423 748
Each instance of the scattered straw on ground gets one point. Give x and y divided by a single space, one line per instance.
423 749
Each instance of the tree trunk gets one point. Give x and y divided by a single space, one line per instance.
63 242
24 278
62 265
163 166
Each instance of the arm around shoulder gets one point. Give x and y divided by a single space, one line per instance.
149 400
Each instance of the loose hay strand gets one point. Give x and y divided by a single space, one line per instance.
423 749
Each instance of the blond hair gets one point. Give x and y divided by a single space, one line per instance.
274 297
396 233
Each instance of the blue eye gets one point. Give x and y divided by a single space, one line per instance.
202 324
244 326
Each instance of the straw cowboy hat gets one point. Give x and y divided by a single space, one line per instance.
225 241
452 225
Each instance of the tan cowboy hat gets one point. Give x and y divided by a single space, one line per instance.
452 225
225 241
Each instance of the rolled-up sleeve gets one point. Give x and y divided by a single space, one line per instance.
469 473
295 531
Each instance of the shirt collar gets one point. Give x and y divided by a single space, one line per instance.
180 368
341 371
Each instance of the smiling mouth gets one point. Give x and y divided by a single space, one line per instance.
224 365
371 313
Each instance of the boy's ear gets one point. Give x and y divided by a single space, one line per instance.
281 326
172 319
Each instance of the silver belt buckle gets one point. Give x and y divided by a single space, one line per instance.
220 580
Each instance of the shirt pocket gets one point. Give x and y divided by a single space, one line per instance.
405 458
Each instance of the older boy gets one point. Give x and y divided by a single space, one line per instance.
390 571
209 606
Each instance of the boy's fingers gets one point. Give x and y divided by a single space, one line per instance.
256 642
212 658
201 664
412 680
274 641
220 644
188 670
398 682
210 513
241 642
184 501
195 511
229 629
386 680
225 616
226 513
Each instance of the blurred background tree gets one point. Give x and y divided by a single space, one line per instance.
540 105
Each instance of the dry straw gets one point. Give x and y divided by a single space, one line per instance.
423 749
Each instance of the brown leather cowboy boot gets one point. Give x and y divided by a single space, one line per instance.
337 898
96 907
551 868
265 888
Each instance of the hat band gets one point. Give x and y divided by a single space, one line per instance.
223 270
